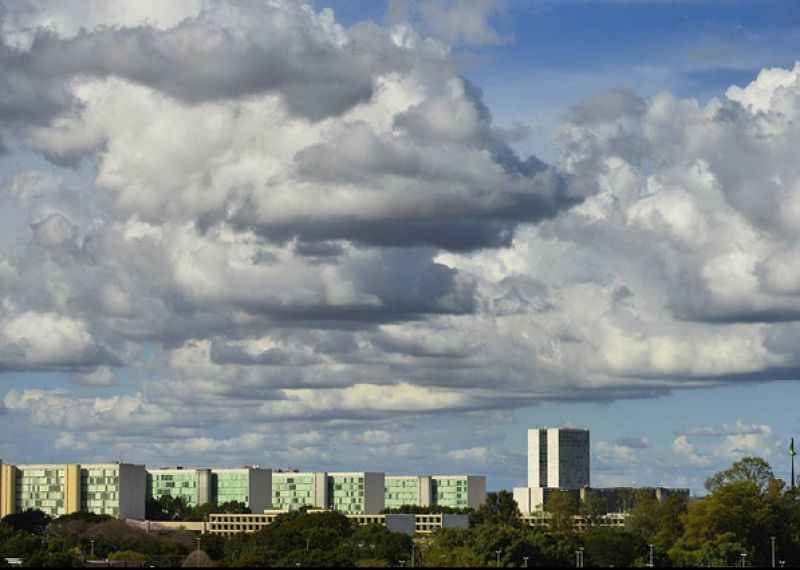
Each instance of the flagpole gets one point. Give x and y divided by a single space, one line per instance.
792 453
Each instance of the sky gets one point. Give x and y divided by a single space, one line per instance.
395 235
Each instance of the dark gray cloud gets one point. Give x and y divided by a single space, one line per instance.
201 59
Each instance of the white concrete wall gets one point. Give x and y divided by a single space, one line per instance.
553 456
533 458
522 495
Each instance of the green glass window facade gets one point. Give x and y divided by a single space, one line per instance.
292 491
401 492
346 493
231 486
42 489
100 491
174 484
450 492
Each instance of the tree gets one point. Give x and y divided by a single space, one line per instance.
509 541
377 542
234 508
81 516
213 545
753 469
563 506
428 510
670 523
31 520
739 511
499 508
644 519
606 547
198 559
593 508
451 548
721 550
128 556
553 549
44 559
167 508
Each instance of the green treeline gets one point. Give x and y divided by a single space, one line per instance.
305 539
167 508
745 508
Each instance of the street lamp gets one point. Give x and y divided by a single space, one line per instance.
744 559
579 557
772 543
652 563
91 543
525 559
498 552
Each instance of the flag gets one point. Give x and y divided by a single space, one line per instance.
792 452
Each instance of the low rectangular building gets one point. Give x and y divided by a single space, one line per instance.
191 485
293 490
623 499
231 524
114 489
407 490
458 491
356 492
251 486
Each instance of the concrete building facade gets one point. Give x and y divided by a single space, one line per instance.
623 499
404 490
357 492
114 489
558 458
454 491
559 461
231 524
293 490
458 491
249 485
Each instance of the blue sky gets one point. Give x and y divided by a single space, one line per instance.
341 263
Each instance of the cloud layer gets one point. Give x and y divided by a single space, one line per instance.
265 217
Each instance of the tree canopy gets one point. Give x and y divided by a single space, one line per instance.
752 469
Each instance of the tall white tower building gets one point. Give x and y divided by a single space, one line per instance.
558 458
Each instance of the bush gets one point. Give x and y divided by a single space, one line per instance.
198 559
128 556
